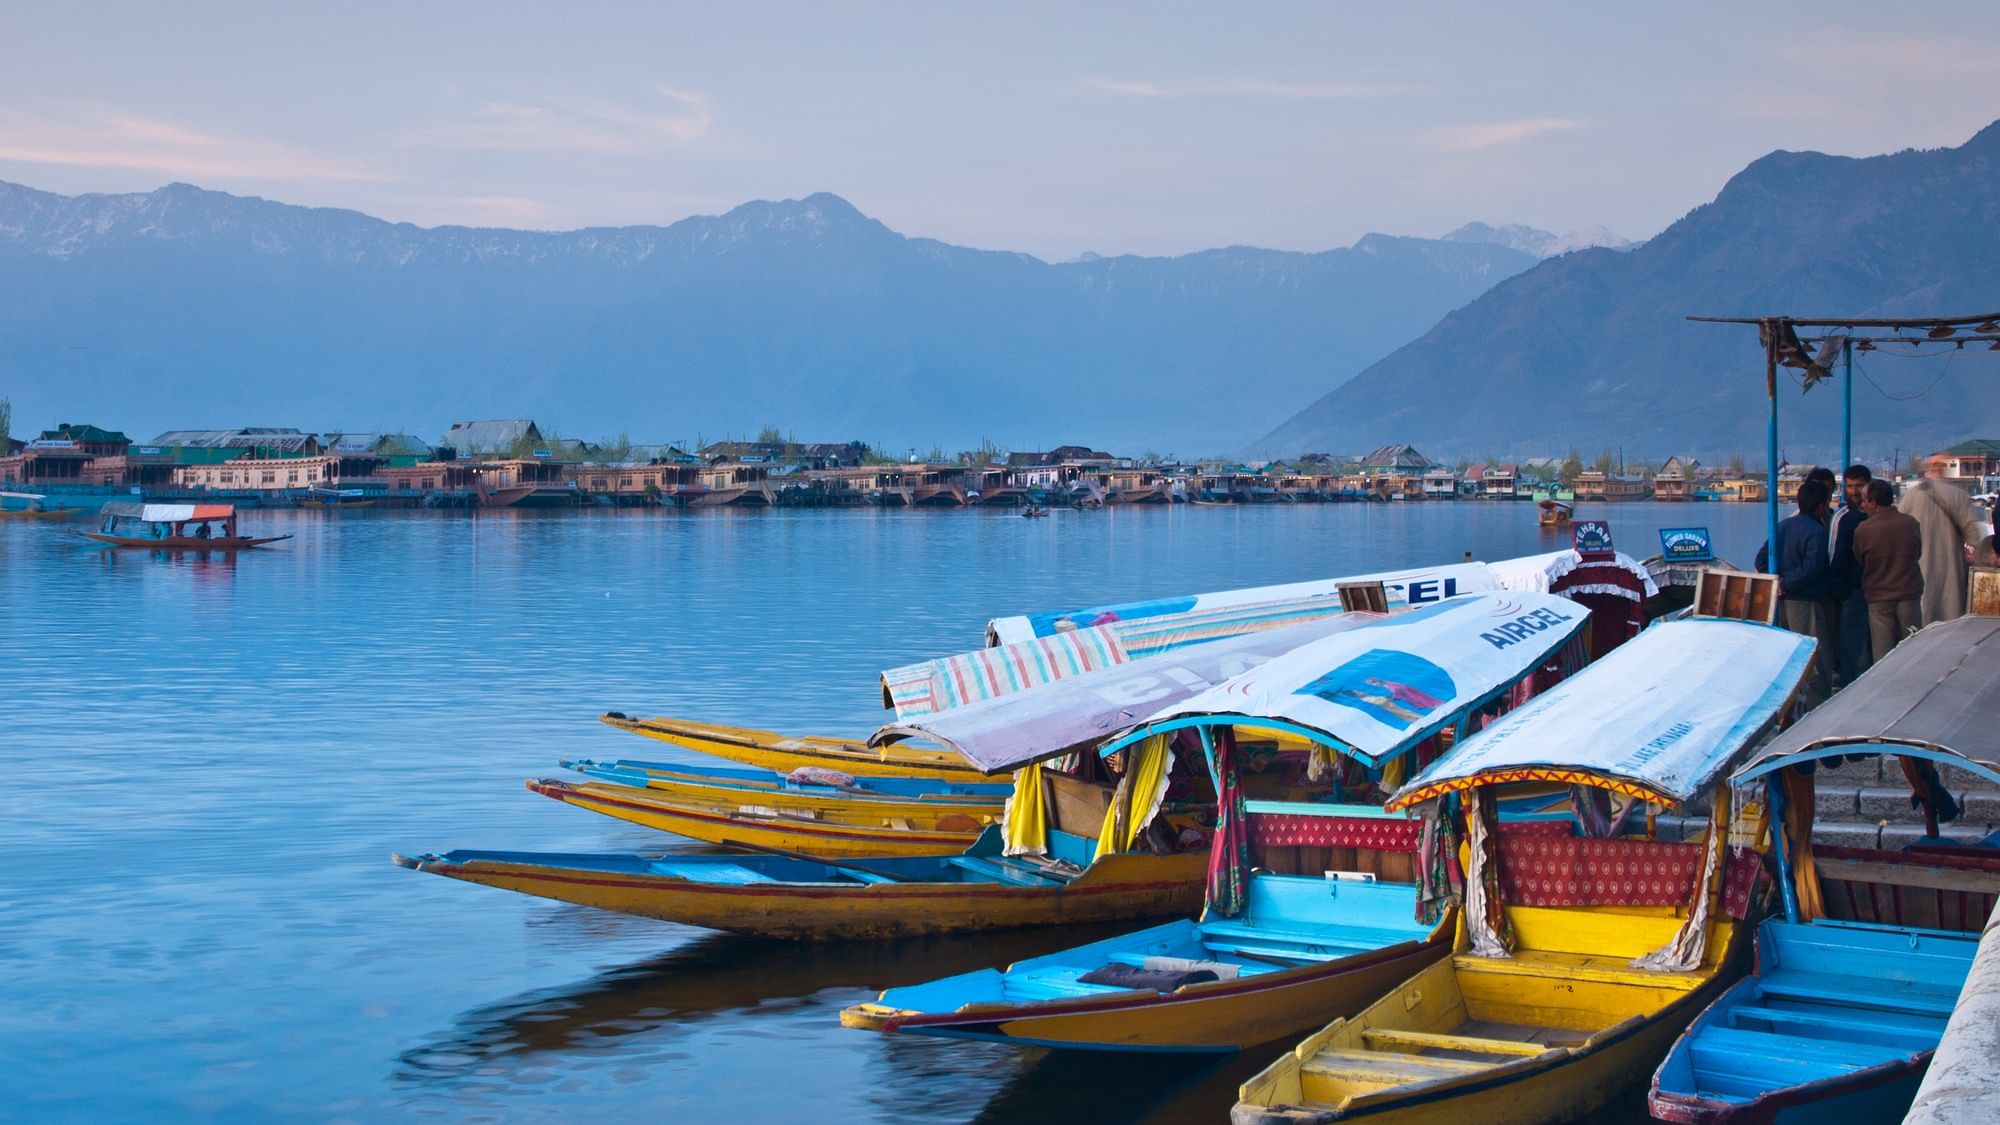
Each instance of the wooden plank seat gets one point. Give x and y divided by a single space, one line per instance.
1005 871
1384 1068
1740 1064
1870 993
1244 967
1350 938
1052 982
730 874
1402 1039
1573 966
1824 1021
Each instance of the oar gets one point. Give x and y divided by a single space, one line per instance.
781 852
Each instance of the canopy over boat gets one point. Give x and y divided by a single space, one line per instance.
1660 718
1375 692
1009 731
1934 696
1405 587
168 513
987 673
1548 573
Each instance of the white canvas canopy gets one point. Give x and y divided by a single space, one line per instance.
1660 718
1374 692
1417 586
168 513
1009 731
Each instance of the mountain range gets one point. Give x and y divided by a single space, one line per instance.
1592 349
190 308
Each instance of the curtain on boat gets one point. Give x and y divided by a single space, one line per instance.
1024 826
1229 852
1689 947
1799 812
1440 881
1139 795
1486 924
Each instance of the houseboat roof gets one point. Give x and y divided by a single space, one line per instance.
1934 696
168 513
1658 718
1374 692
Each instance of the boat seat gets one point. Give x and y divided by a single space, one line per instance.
1003 871
1399 1039
1244 967
868 877
1253 950
1347 939
1870 993
729 874
1826 1021
1384 1068
1743 1061
1575 966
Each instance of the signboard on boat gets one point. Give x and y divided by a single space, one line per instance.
1686 545
1591 537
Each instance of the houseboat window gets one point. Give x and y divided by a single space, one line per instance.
271 478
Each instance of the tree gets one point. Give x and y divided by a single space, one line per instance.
616 451
1572 467
1606 461
1463 464
6 422
770 435
1736 463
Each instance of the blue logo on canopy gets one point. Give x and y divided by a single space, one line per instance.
1397 689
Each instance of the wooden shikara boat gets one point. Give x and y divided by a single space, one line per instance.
734 817
1554 513
1325 918
785 753
1574 968
804 789
1855 982
329 498
781 897
33 506
167 527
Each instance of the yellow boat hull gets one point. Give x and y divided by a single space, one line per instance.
843 833
1220 1016
1419 1054
696 793
785 753
1114 888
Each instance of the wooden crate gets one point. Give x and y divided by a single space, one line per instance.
1368 596
1985 590
1736 595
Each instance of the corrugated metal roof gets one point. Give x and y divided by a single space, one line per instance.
490 434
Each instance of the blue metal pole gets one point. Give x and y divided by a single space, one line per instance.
1847 404
1771 448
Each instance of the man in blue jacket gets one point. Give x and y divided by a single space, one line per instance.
1805 578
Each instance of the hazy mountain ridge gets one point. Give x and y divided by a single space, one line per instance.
1593 349
1540 243
185 307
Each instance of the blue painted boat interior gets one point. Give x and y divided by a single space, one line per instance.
1829 999
640 774
1287 921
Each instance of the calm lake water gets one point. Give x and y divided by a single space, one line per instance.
214 758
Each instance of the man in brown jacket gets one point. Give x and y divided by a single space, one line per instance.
1889 547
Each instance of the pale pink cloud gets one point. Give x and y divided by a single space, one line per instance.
93 137
565 124
1489 134
1243 88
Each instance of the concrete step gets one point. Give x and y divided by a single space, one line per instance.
1848 833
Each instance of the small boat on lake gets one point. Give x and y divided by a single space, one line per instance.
33 506
785 753
1313 907
1577 959
1554 513
197 527
825 828
337 498
805 785
1855 981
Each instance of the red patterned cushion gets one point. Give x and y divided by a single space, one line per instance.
1742 877
1283 830
1572 871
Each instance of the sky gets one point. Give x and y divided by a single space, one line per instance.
1053 129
